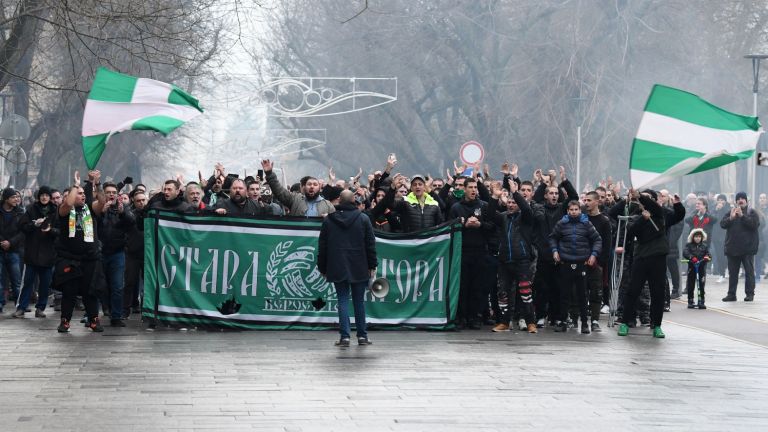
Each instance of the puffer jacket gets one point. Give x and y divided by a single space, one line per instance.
414 217
575 239
694 250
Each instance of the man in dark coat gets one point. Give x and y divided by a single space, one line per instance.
238 203
170 199
741 243
39 253
346 257
11 244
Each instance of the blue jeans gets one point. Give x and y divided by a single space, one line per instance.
114 272
32 274
10 268
358 291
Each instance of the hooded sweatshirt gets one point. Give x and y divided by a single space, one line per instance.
346 247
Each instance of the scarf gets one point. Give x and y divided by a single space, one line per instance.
85 221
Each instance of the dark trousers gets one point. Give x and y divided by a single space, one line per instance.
673 267
517 290
573 282
81 286
473 298
547 295
652 270
734 264
690 283
595 287
134 274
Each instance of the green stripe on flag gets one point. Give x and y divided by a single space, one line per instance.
180 97
723 160
688 107
93 147
162 124
654 157
110 86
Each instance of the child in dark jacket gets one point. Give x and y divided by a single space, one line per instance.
697 254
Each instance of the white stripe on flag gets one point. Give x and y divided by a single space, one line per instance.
151 91
105 117
688 136
297 319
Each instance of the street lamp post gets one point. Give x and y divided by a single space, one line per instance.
579 101
752 169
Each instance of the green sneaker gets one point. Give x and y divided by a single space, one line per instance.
657 333
623 330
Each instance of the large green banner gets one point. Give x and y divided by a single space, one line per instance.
261 274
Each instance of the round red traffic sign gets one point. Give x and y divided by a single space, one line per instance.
471 152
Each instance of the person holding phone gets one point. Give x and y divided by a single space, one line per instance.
114 225
39 252
741 242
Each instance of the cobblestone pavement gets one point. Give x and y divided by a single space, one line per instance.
700 378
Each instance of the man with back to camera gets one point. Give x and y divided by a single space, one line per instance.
346 257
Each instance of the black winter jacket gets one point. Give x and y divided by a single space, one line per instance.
38 244
414 217
135 244
10 228
515 231
175 205
249 208
741 235
113 229
346 247
549 215
474 239
575 239
650 240
699 251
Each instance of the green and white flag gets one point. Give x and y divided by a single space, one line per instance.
680 134
119 102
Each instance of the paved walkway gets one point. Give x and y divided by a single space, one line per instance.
129 379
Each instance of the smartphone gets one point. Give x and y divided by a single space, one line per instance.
261 174
392 156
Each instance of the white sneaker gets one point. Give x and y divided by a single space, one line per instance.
540 323
605 309
522 325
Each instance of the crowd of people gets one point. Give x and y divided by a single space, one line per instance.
535 252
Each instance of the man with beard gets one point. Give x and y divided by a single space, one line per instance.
170 198
239 204
193 193
741 244
310 203
478 227
39 253
78 252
